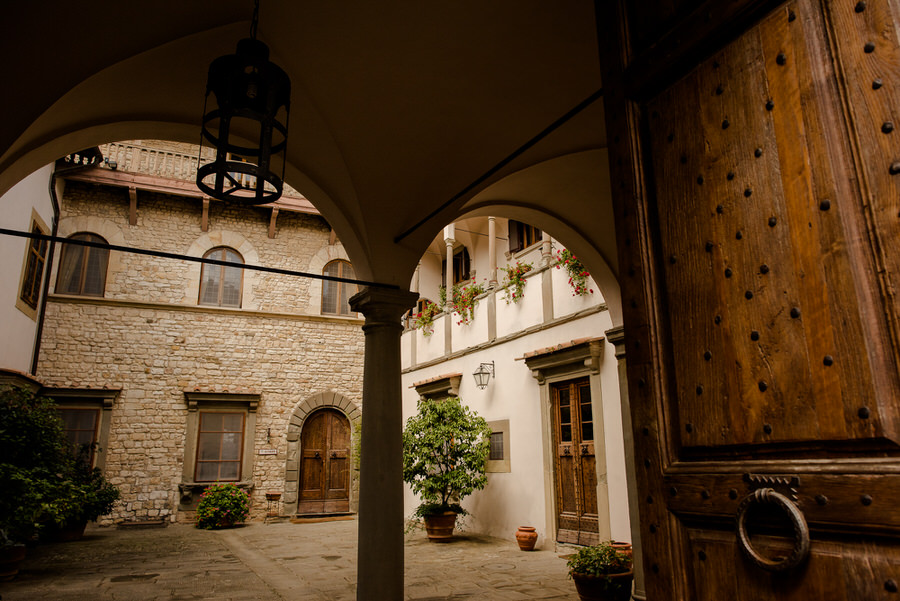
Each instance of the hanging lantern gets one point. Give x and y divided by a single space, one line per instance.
249 95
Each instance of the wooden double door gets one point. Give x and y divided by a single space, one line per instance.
755 158
575 462
325 463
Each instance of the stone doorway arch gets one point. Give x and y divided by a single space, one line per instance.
321 400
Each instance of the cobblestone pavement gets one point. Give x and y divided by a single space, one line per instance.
277 561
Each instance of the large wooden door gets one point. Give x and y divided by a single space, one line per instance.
325 463
756 177
575 464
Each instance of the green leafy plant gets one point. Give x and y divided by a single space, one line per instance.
599 560
41 479
424 319
463 301
514 282
445 451
222 505
578 274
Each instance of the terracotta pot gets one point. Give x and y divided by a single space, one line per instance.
526 537
11 557
440 526
622 547
610 587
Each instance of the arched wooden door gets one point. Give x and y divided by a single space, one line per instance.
325 463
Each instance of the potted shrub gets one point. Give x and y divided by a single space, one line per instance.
222 506
445 451
601 573
83 496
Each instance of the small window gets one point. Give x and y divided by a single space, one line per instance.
220 442
461 262
220 285
336 295
496 446
522 235
82 269
498 459
35 257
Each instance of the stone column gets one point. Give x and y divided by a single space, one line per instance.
449 232
616 337
545 249
380 553
492 251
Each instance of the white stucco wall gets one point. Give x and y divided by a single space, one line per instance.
18 329
524 496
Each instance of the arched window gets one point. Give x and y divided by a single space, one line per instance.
336 294
82 269
221 285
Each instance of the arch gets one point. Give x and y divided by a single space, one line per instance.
218 275
104 228
320 400
325 255
208 242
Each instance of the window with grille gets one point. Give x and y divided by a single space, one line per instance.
220 443
220 285
336 295
35 257
496 446
82 269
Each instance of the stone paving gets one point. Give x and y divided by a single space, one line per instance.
277 561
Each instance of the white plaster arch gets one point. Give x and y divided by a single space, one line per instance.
320 400
110 232
317 263
211 240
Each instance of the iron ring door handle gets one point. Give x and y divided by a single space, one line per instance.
801 531
566 451
334 455
318 456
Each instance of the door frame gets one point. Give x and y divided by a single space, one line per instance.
321 400
561 365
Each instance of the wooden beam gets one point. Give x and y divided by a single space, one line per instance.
204 220
272 220
132 205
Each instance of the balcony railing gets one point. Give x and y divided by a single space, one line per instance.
160 162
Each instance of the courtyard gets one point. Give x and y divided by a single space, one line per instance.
308 561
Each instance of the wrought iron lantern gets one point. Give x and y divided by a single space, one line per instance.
483 374
251 102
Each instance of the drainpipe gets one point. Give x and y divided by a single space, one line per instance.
48 264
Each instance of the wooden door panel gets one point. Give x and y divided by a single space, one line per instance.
325 471
836 570
757 216
759 344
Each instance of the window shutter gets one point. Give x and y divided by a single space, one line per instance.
515 240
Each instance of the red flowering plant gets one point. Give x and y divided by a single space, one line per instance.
464 300
424 319
578 274
514 282
222 506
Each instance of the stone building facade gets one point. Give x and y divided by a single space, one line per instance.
155 360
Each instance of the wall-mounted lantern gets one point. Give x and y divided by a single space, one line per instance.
483 374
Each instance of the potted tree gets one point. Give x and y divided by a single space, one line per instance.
445 451
601 573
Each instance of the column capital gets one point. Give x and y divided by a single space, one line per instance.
383 304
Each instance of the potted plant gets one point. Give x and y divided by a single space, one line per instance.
82 496
445 451
601 573
222 505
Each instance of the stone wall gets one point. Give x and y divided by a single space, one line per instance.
152 341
